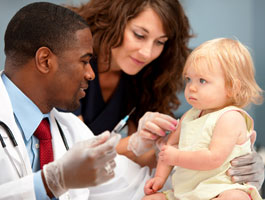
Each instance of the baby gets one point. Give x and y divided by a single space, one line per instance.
219 76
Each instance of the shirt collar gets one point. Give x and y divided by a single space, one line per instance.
26 112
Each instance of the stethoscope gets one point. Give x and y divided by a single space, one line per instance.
14 143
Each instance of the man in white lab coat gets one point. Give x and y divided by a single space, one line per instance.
127 183
48 49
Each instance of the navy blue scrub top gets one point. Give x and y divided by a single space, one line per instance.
99 115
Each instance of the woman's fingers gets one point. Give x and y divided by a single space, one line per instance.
157 124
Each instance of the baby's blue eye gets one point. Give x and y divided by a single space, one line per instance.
202 81
187 79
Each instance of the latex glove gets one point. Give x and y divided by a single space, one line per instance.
248 168
83 165
151 126
159 144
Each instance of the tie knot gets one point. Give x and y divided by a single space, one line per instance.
43 131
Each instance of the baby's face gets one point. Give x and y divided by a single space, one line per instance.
205 86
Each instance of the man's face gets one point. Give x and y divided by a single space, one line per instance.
72 73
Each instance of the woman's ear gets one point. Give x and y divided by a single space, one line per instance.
44 59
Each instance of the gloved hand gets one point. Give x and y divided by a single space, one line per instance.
151 126
248 168
83 165
159 144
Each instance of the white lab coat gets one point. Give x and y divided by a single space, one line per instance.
129 177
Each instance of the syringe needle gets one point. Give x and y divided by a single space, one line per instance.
122 123
132 111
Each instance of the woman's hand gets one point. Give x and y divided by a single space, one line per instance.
152 126
248 169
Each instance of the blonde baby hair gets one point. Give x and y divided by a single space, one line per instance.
237 65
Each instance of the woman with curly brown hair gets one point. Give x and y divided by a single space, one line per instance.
140 48
138 62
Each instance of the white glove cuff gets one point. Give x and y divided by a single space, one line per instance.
132 145
54 179
138 145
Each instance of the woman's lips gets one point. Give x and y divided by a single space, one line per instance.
138 62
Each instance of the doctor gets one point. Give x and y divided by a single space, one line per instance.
48 49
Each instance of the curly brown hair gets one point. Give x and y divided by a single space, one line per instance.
155 87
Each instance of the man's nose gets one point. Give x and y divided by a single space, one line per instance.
89 74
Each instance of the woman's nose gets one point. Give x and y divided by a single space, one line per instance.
146 51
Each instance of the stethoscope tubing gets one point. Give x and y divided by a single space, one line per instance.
15 145
9 133
14 142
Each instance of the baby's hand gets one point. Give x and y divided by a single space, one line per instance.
169 154
153 185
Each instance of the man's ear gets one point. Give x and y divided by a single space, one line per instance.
44 59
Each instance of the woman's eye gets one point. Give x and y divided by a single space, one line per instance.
202 80
138 35
161 43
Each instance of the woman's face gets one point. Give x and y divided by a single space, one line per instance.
144 39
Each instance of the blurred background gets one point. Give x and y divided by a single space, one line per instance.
239 19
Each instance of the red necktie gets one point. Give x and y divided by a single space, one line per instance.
43 133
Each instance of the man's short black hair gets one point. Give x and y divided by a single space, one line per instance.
38 25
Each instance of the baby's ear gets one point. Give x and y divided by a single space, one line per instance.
234 89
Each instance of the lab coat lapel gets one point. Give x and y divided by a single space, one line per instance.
57 142
7 116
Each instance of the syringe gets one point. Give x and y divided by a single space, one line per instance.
122 123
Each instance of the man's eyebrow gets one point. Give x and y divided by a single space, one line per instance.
87 55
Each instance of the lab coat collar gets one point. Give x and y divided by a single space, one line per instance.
22 105
6 115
